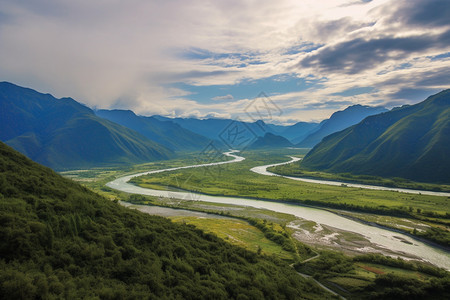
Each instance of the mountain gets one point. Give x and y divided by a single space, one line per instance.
339 121
215 128
299 131
232 134
270 140
64 134
303 134
411 142
60 240
166 133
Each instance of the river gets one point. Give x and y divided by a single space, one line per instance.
382 237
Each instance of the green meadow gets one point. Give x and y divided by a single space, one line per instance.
237 232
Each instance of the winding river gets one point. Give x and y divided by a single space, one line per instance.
384 238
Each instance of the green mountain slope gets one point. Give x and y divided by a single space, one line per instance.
63 134
167 133
60 240
339 121
411 142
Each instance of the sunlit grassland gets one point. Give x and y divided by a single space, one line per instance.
238 232
270 225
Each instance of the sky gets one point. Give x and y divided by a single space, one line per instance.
285 61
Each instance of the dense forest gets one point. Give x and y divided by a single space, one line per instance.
60 240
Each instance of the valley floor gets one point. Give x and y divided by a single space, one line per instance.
249 227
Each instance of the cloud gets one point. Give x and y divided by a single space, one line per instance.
429 13
437 77
330 29
416 94
195 74
360 54
223 98
356 2
329 104
217 115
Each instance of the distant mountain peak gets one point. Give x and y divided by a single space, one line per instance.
270 140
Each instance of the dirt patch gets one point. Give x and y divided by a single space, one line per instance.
372 269
327 237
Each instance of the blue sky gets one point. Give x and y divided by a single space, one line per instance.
198 58
245 89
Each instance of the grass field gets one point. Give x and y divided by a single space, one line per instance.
238 232
273 236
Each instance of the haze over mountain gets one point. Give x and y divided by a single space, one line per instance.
411 142
339 121
299 131
64 134
166 133
270 140
211 128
